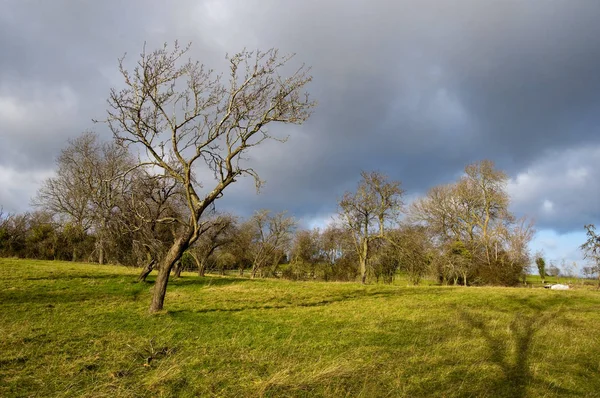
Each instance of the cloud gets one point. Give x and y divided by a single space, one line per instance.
561 250
18 187
35 123
414 88
560 189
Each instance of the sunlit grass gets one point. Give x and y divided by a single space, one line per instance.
83 330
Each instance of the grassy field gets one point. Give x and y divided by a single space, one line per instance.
70 329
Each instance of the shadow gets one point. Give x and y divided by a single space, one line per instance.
324 302
48 297
70 277
208 281
512 354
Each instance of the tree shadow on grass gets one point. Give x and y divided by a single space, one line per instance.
208 281
69 277
516 374
72 293
298 304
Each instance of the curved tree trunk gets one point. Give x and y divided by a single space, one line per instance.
146 271
164 269
177 269
200 263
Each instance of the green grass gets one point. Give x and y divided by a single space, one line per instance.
70 329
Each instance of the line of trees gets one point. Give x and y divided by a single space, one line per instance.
100 208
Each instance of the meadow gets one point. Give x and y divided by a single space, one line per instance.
83 330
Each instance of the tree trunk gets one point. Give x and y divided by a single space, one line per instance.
146 271
177 269
200 264
254 271
164 269
101 251
101 242
363 270
363 258
202 267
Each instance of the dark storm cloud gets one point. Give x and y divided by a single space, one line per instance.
416 89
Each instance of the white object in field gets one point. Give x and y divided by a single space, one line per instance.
559 287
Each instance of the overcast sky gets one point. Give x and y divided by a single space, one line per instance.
416 89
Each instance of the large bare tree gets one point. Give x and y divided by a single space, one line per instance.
367 213
189 122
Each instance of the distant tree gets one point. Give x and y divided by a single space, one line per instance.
179 115
223 226
368 212
407 249
271 238
149 214
307 251
88 185
240 246
14 230
591 249
459 262
474 211
553 270
4 232
588 272
41 241
541 265
339 254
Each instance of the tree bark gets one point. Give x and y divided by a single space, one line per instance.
101 251
146 271
164 269
363 270
202 267
254 271
363 261
101 242
177 269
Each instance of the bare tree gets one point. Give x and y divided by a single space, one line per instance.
307 251
220 234
88 185
474 211
240 247
367 212
272 238
591 249
149 213
180 115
